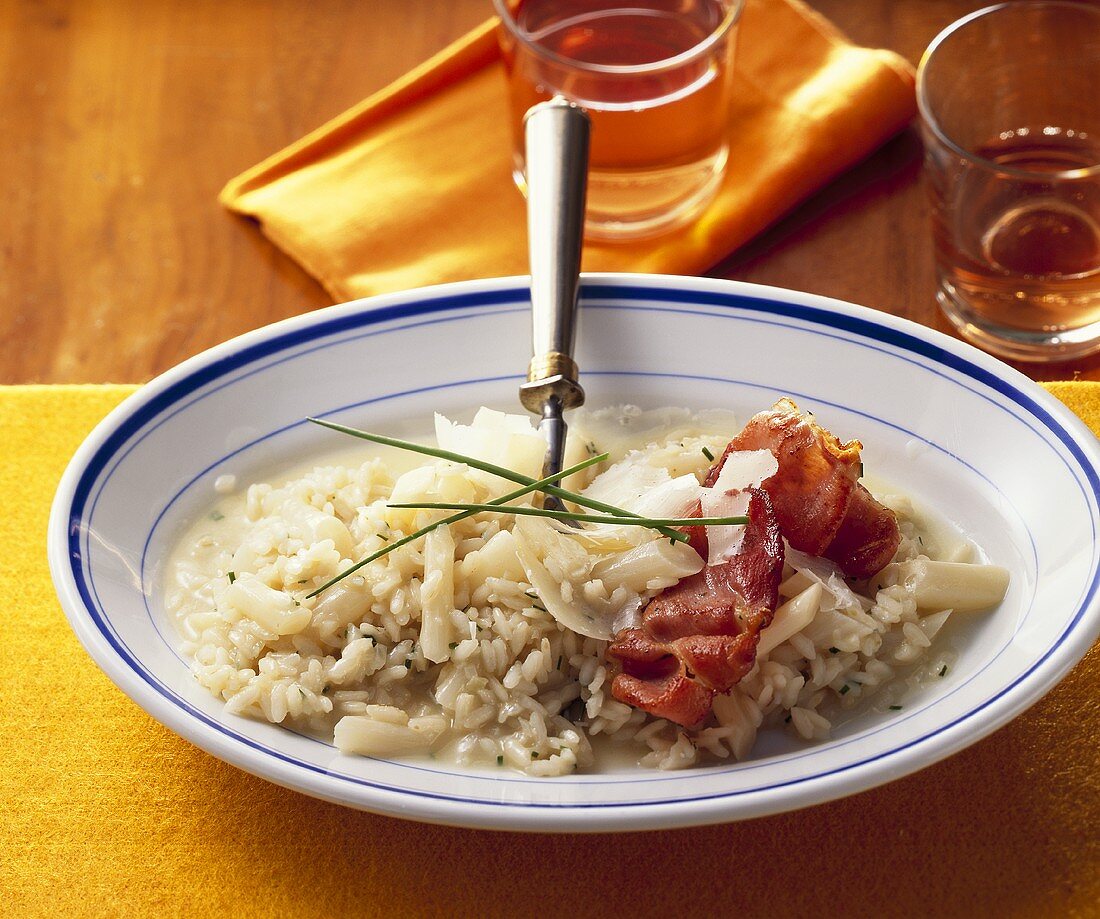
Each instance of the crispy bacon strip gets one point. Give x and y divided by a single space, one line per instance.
821 507
699 636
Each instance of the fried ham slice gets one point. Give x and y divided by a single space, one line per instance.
821 507
699 637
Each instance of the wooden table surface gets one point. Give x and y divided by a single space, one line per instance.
121 119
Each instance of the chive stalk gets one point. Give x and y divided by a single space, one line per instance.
454 518
651 522
543 485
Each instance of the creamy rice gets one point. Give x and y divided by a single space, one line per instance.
510 685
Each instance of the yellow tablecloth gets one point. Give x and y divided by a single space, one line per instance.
106 813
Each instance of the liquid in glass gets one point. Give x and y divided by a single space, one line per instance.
654 76
1024 253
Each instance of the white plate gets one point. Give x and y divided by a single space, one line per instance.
957 428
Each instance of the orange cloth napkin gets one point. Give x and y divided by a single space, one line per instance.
413 186
103 812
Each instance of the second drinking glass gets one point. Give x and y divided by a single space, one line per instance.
1008 98
654 78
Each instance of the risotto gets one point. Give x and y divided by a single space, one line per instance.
486 641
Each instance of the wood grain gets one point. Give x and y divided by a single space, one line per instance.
121 119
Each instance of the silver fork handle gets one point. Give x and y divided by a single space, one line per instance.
557 135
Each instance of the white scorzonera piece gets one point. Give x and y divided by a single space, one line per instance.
272 609
740 470
342 603
368 735
652 566
956 585
790 619
437 481
497 558
437 595
313 526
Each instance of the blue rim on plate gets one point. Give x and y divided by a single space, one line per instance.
154 405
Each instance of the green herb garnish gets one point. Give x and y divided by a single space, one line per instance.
454 518
708 454
544 485
500 760
232 576
453 645
217 515
895 708
943 670
844 689
651 522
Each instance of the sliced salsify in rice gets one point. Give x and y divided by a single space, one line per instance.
484 642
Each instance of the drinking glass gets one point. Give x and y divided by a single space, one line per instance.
654 77
1010 106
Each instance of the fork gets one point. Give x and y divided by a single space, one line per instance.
556 138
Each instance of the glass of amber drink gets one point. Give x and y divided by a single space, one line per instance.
1010 106
654 77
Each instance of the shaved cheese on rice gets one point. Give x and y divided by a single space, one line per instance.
727 498
510 441
625 483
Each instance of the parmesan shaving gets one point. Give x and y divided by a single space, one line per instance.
728 497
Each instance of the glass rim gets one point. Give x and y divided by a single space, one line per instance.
931 123
733 14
